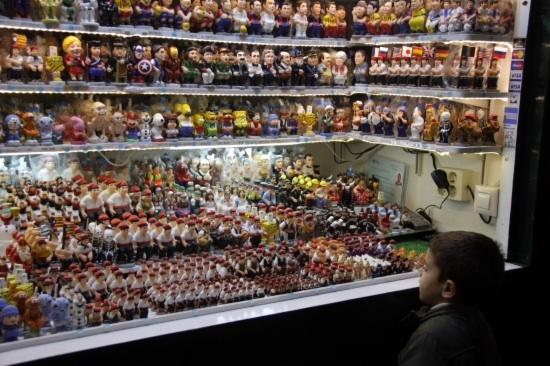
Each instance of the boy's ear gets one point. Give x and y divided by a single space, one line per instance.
449 290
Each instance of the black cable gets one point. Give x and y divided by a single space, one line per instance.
433 160
439 207
480 215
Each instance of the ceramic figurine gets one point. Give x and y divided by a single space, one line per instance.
417 125
455 20
388 122
445 128
403 14
255 18
284 70
94 62
329 20
478 74
418 17
144 128
429 133
424 72
68 11
403 72
413 72
87 12
402 123
157 62
462 72
49 10
341 23
483 17
117 127
359 14
97 127
117 64
12 130
185 124
138 66
309 70
269 68
360 71
203 16
240 21
171 67
297 78
125 12
324 69
29 132
446 13
45 128
189 66
492 75
283 21
315 27
434 17
488 131
34 65
381 71
387 18
393 71
339 69
299 20
372 22
207 66
143 13
78 136
74 62
268 18
183 15
10 318
132 132
163 14
505 21
157 127
108 11
14 64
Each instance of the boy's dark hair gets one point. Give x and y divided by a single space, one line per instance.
473 261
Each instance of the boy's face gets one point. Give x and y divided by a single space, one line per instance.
430 289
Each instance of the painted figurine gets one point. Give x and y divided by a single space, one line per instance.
108 11
315 27
12 130
94 62
74 62
418 17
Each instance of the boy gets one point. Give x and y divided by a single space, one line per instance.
461 270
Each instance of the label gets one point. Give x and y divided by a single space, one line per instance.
515 86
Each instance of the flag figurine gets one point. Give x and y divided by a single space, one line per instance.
375 51
499 52
417 51
485 52
396 52
383 52
406 51
19 40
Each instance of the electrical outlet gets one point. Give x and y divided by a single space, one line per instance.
458 182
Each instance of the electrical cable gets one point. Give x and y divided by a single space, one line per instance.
439 207
480 215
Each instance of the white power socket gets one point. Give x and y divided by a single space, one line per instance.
458 183
486 200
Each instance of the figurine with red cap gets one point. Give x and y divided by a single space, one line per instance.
119 202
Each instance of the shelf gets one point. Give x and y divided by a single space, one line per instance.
250 142
177 34
176 89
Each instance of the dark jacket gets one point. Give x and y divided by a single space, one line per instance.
451 335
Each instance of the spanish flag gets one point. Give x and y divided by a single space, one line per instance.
19 40
417 51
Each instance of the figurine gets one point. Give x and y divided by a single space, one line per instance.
492 75
413 72
360 71
455 20
324 70
49 10
254 127
388 122
94 62
402 123
74 63
372 22
268 18
184 122
170 131
45 128
310 74
223 68
255 18
483 17
144 129
469 16
299 20
437 73
12 130
269 68
329 20
434 17
138 66
297 75
340 121
163 14
34 64
478 74
359 14
506 19
417 126
226 126
9 317
381 71
283 21
68 11
86 12
157 128
125 11
463 73
97 127
117 64
418 17
207 66
158 61
255 72
341 24
403 72
284 70
241 123
445 128
315 28
117 127
430 131
203 17
387 18
239 18
339 69
425 72
143 12
183 15
108 11
29 132
403 14
79 131
463 133
445 17
488 131
14 64
189 65
224 18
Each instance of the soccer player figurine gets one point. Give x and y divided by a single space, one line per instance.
183 15
359 14
373 19
300 19
315 28
240 18
268 18
283 21
203 16
224 18
143 13
418 16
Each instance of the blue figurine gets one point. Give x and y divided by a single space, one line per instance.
12 130
9 318
60 315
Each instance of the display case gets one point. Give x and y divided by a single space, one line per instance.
474 163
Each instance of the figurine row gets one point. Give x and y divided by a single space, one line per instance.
268 19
